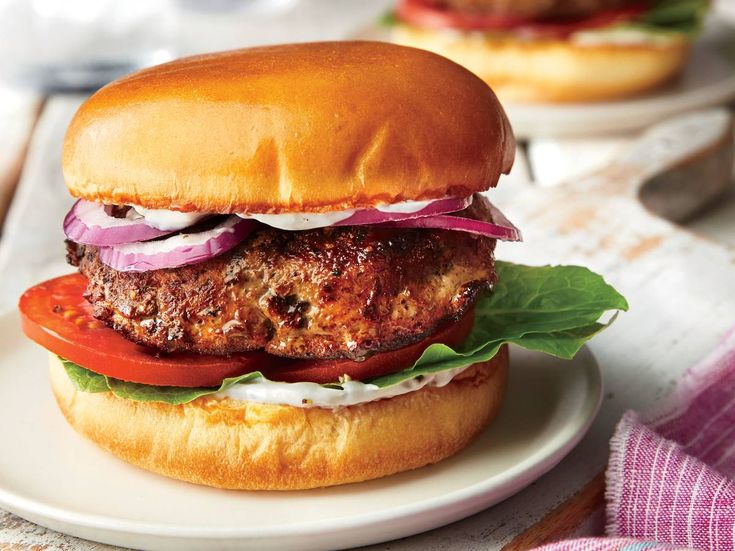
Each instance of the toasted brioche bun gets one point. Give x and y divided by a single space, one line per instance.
297 128
251 446
553 70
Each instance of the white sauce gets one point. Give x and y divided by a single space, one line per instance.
610 35
406 206
176 241
293 221
168 219
297 221
621 36
309 220
308 395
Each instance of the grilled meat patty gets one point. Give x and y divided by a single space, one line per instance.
327 293
533 9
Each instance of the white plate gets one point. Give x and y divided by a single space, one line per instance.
707 79
53 477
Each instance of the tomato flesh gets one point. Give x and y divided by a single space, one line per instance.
424 14
55 315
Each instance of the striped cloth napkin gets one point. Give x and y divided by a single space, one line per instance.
670 479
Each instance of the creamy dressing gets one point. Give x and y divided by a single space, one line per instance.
604 36
176 241
297 221
406 207
307 395
621 36
168 219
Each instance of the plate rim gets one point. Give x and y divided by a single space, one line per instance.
512 480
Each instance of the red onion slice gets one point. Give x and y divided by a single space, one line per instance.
469 225
178 250
88 223
388 214
501 228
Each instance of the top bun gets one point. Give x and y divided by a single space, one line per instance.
296 128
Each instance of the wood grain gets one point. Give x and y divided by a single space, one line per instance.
18 120
17 534
563 521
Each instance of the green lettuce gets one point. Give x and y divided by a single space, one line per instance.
549 309
388 19
673 16
89 381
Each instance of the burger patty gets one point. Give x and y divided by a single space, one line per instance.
532 9
327 293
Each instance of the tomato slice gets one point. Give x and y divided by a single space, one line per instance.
329 371
424 14
55 315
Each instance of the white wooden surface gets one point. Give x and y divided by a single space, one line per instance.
18 111
17 114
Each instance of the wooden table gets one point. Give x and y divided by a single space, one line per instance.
19 111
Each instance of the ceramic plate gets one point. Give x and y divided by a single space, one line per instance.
707 79
51 476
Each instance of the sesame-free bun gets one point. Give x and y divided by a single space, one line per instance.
294 128
251 446
553 70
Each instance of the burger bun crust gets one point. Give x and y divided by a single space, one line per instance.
296 128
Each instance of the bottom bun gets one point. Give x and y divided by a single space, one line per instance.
251 446
553 70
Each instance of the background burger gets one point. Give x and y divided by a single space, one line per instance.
556 50
286 275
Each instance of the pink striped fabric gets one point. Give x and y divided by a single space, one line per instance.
608 544
670 475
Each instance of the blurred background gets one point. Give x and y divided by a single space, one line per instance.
56 45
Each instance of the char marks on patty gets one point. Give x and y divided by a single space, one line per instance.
328 293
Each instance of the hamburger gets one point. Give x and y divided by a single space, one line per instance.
556 50
286 273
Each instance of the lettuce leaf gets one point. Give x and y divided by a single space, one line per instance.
84 379
549 309
673 16
388 19
89 381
